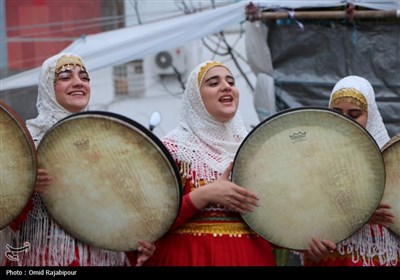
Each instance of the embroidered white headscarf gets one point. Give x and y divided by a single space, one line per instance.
49 243
375 125
200 140
370 241
50 111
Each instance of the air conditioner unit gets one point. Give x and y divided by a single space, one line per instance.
165 61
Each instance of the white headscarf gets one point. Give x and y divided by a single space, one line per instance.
50 111
370 241
375 125
200 140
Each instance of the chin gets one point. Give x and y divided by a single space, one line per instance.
227 118
77 108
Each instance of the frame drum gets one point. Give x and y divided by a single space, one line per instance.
317 173
114 182
391 196
18 165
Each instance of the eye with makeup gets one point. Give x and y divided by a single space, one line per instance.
353 113
67 75
215 82
231 81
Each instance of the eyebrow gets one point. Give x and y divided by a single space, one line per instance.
70 71
353 109
66 70
216 77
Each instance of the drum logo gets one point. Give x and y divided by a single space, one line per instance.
82 144
299 136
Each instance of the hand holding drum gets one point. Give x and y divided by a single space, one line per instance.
391 196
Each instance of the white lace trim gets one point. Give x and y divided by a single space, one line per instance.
200 140
372 241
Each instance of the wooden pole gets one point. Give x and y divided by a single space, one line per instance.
265 16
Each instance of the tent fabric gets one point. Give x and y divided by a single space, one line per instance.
260 62
297 4
124 45
257 49
307 63
264 96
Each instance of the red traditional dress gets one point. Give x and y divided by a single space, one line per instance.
213 236
203 148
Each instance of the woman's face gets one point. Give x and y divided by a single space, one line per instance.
353 111
72 89
220 94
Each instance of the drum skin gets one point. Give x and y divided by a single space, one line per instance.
391 196
317 173
18 164
114 182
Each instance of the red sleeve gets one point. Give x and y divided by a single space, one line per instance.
132 257
187 209
186 212
16 224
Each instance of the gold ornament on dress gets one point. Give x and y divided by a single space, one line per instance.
205 68
349 95
216 229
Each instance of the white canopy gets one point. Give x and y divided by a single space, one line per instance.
126 44
130 43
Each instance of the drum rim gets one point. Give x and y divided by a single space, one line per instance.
305 108
28 139
395 140
391 142
156 142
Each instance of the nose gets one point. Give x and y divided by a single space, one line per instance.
345 113
76 80
226 86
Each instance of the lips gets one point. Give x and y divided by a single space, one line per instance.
77 93
226 98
